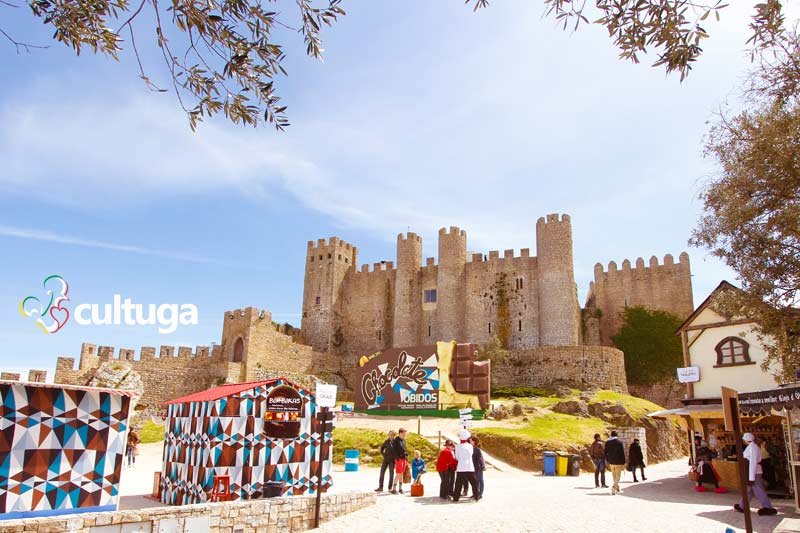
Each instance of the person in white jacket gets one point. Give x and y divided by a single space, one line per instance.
465 471
755 481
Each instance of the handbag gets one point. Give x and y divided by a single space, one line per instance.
407 474
694 475
417 489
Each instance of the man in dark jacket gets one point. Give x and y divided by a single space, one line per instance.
387 451
598 454
636 459
615 459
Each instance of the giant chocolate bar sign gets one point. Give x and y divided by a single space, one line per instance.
399 378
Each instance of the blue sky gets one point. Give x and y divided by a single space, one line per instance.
423 115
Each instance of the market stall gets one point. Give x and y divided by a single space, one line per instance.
61 448
706 421
780 402
251 438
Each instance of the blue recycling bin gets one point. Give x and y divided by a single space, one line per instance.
351 460
549 463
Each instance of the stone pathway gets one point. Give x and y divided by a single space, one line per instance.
517 501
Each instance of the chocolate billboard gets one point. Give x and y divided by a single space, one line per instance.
437 376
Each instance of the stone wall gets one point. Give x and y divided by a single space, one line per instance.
577 366
665 287
667 395
9 376
267 515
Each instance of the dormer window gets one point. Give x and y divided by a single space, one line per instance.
732 351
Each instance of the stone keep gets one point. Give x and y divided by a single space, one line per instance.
526 301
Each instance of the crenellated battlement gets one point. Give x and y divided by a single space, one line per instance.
93 355
494 255
383 266
453 230
249 313
335 242
653 263
410 236
553 218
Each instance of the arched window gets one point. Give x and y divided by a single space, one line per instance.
733 351
238 350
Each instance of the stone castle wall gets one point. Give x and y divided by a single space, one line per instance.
580 367
525 300
665 287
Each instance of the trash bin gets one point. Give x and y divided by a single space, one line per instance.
574 468
562 461
273 489
549 463
351 460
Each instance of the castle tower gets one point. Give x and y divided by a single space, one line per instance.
327 263
558 299
407 292
451 284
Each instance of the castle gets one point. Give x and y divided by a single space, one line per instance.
526 301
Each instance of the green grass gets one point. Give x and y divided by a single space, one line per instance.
519 392
368 442
553 429
637 407
151 432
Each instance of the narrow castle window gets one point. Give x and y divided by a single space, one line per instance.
329 256
345 260
379 334
429 296
490 328
520 325
340 257
429 330
320 257
317 300
311 258
518 283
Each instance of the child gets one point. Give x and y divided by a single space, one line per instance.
417 466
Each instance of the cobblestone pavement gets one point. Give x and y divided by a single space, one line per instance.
516 501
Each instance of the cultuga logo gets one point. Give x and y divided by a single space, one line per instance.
53 315
373 382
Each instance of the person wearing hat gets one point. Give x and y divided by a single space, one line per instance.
755 481
465 471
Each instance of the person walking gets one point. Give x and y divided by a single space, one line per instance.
400 461
598 455
478 463
755 478
132 450
465 471
387 451
615 458
636 459
445 466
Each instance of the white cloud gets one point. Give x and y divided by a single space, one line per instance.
49 236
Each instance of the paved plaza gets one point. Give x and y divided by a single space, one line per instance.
516 501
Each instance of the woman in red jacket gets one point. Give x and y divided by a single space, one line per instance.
446 466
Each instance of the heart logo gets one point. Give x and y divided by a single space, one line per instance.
50 317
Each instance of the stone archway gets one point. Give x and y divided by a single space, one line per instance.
238 350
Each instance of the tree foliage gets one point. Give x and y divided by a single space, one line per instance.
219 55
652 350
674 29
751 216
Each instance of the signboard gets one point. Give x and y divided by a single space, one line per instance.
326 395
689 374
728 412
764 402
399 378
282 413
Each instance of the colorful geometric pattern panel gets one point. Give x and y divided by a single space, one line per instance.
226 437
60 449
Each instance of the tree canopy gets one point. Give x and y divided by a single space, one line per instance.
225 56
652 350
751 217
